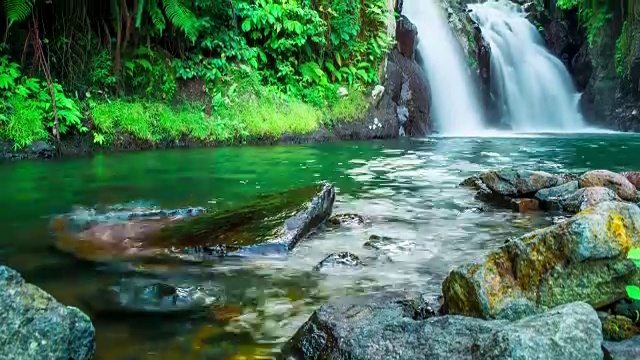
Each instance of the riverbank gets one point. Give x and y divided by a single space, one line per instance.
122 126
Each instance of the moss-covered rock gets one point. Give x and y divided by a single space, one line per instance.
618 328
272 223
34 326
581 259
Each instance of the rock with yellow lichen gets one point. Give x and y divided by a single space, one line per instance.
618 328
581 259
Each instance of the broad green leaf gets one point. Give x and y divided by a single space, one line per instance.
633 292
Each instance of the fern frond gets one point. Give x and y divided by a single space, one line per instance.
17 10
181 17
157 18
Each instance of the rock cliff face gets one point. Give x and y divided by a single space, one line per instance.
605 65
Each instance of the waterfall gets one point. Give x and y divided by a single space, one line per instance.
455 107
535 92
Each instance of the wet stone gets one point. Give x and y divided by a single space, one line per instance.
525 205
342 259
349 220
377 242
149 296
622 350
271 224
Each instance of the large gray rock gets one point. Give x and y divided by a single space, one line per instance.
586 198
605 178
33 325
385 328
581 259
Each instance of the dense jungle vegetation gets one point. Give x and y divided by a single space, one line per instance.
594 14
212 70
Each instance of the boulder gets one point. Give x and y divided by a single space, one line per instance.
406 37
633 177
580 259
561 191
519 183
348 220
379 327
623 350
605 178
149 296
271 224
33 325
587 197
409 90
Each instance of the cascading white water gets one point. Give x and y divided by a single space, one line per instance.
533 87
455 107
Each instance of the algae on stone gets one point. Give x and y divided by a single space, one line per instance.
581 259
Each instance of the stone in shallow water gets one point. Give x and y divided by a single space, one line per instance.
149 296
346 220
271 224
550 266
561 191
520 183
587 197
343 259
610 180
525 205
33 325
381 327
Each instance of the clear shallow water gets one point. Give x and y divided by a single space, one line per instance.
406 189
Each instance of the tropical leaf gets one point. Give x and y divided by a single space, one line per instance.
17 10
157 18
181 17
633 292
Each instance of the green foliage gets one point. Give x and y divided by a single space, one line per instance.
27 109
17 10
633 292
624 46
269 67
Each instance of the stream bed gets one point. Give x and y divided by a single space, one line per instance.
406 190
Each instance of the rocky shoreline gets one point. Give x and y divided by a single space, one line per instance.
554 293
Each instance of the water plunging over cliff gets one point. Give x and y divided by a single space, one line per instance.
455 108
534 90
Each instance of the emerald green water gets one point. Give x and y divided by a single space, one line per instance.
406 189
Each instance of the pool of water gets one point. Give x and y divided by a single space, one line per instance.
406 189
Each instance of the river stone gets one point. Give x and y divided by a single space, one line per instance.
33 325
587 197
581 259
605 178
343 259
633 177
149 296
376 327
525 205
622 350
273 223
520 183
561 191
